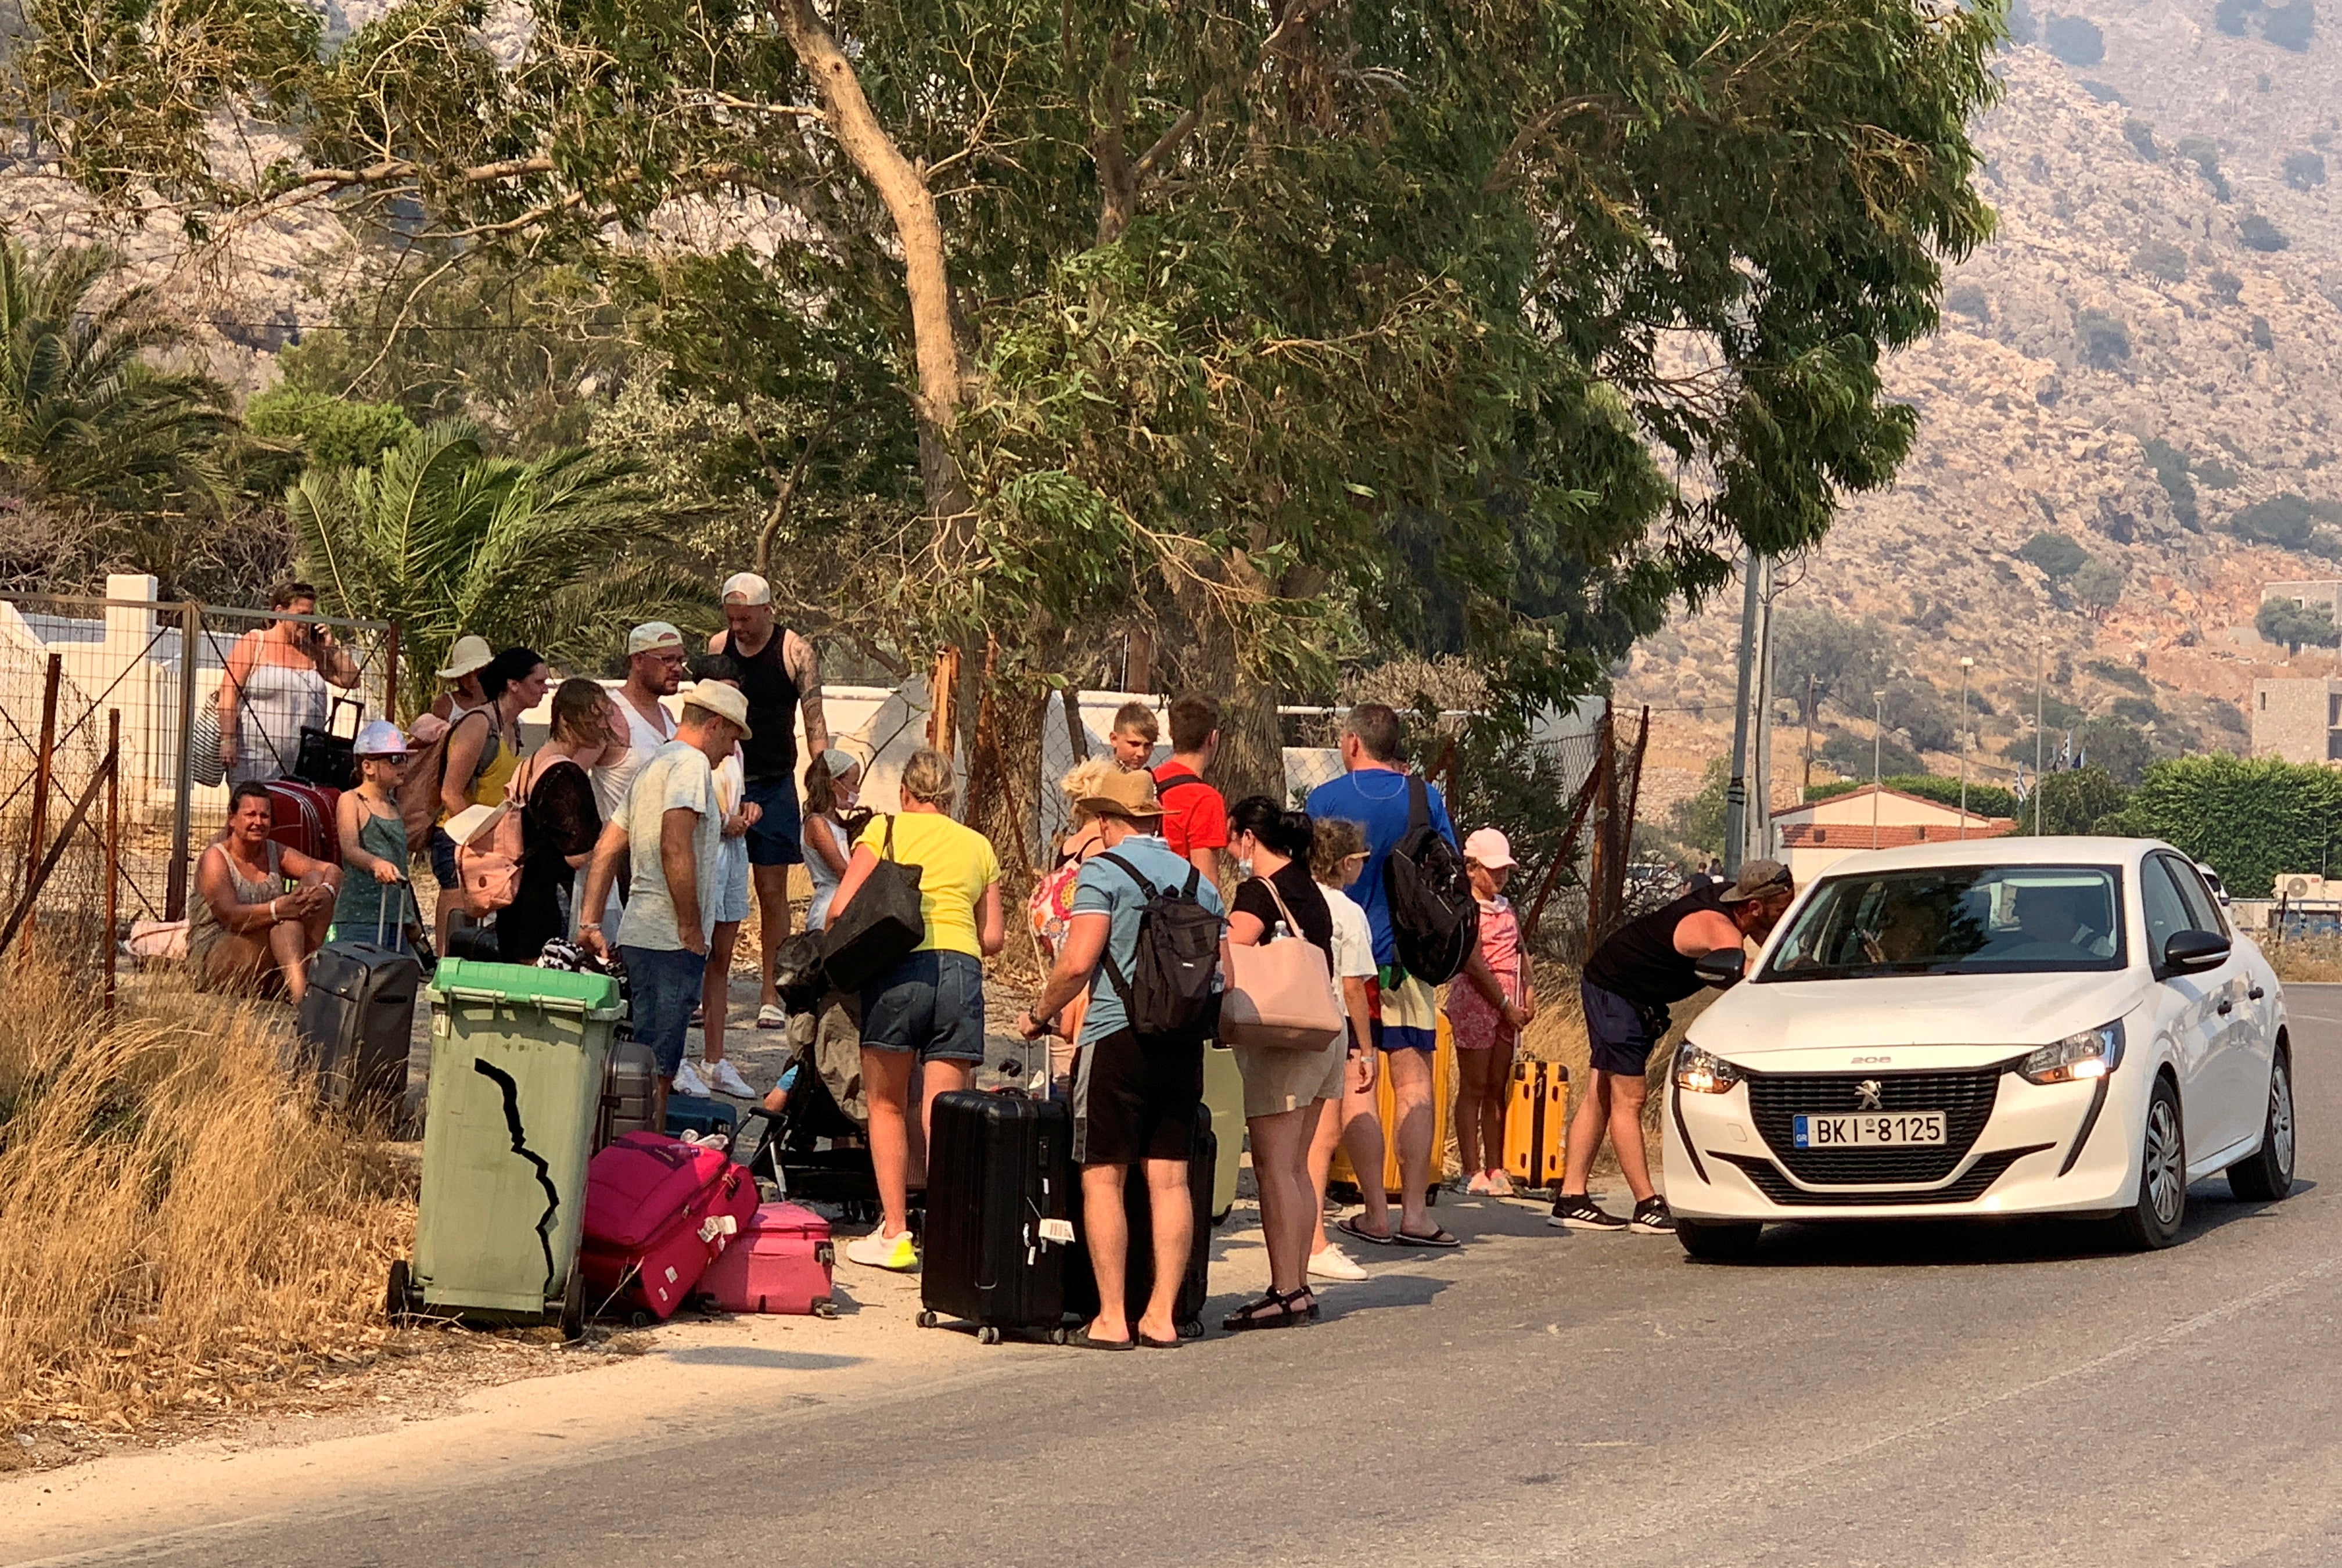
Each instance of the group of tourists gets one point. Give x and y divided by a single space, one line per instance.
649 838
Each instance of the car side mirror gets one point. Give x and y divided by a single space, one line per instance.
2189 951
1720 968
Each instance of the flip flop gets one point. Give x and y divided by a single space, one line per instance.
1349 1226
1438 1238
770 1017
1080 1340
1151 1342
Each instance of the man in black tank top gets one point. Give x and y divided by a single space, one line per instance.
779 676
1633 978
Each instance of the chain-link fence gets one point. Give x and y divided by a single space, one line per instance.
171 672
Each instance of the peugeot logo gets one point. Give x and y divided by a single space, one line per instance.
1865 1094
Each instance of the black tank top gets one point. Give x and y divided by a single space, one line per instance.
1640 962
772 694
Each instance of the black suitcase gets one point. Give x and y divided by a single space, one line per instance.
1138 1268
697 1113
627 1081
998 1167
358 1023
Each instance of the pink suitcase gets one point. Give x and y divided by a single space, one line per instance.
658 1210
779 1263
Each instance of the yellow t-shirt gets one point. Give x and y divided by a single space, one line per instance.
956 865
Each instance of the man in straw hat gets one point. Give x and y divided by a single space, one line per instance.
1644 967
670 826
1135 1099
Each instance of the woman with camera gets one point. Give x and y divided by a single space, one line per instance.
276 687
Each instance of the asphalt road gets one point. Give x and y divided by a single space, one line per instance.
1908 1395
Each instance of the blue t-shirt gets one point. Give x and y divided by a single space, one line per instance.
1105 888
1376 799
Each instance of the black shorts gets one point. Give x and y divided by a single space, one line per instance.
1620 1035
1135 1102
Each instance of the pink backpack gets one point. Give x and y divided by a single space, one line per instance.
487 868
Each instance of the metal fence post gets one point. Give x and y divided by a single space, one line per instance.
110 935
174 884
36 831
390 673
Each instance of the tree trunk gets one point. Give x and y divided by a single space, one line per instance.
1252 743
926 274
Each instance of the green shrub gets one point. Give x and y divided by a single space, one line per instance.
2226 286
2057 557
2290 27
2304 170
1984 799
2170 466
2101 338
2215 473
2294 624
2249 819
2230 16
2263 339
2141 136
330 431
2074 39
2284 521
2204 154
2162 259
2123 676
2258 234
2022 27
2098 586
2136 710
1968 299
2073 802
1850 755
2103 93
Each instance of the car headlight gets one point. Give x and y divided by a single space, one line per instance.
1698 1073
2092 1054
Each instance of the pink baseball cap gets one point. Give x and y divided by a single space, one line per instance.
1489 848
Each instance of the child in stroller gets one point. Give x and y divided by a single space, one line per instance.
816 1145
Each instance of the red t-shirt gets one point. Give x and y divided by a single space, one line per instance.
1195 815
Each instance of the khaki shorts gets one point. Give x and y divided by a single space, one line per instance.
1277 1080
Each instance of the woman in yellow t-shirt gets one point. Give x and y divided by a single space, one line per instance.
929 1008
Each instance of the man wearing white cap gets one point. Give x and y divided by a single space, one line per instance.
779 676
654 666
670 828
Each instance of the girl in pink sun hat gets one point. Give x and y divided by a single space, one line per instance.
1488 1007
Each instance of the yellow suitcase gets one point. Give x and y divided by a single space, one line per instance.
1536 1124
1224 1097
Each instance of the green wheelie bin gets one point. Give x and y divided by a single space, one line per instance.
517 1062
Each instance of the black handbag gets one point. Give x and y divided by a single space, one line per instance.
882 925
328 758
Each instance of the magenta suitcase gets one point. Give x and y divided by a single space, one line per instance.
658 1210
779 1263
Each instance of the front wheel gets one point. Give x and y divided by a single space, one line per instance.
2153 1221
2267 1173
1719 1241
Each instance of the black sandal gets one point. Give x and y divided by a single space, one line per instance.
1305 1315
1271 1310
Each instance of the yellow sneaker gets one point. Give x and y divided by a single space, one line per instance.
884 1252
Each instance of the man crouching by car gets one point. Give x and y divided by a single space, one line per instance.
1633 978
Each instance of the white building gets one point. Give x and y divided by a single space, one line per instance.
1813 837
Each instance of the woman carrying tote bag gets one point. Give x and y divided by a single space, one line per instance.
1266 1017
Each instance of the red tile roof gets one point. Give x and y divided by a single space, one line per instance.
1887 835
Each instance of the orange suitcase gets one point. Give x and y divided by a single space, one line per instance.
1536 1124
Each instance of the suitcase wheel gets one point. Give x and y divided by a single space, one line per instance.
398 1298
987 1334
925 1320
1191 1329
824 1307
1061 1337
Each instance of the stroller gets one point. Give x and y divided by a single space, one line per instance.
815 1148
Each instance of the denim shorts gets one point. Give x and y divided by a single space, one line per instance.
932 1003
776 839
662 988
443 859
1620 1035
730 881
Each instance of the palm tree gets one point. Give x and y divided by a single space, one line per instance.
562 553
84 413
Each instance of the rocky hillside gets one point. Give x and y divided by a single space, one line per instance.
2149 346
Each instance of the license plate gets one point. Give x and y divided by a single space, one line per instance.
1869 1130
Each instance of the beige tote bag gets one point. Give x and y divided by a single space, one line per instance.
1281 993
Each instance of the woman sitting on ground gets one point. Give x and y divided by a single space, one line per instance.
1284 1089
260 909
927 1012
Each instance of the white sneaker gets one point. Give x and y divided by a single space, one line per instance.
727 1080
1334 1264
879 1251
687 1080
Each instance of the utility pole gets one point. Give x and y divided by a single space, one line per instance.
1736 790
2041 686
1808 787
1760 835
1878 744
1966 665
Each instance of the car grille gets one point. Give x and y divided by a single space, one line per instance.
1974 1182
1966 1097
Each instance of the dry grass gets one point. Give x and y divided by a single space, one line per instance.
179 1231
1559 1035
2305 960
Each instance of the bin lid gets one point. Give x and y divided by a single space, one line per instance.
555 990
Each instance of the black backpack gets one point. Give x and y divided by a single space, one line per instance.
883 924
1435 920
1168 993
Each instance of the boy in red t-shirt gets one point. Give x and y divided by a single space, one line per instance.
1194 814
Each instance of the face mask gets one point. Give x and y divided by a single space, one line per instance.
847 799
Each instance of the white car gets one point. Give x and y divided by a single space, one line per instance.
2064 1027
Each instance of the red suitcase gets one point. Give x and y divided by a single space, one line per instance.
658 1210
305 819
779 1263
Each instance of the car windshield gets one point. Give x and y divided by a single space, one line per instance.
1955 920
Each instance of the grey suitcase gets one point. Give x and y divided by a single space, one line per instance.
357 1024
626 1085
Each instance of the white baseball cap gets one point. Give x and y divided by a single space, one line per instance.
1490 848
724 701
468 654
653 637
746 588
